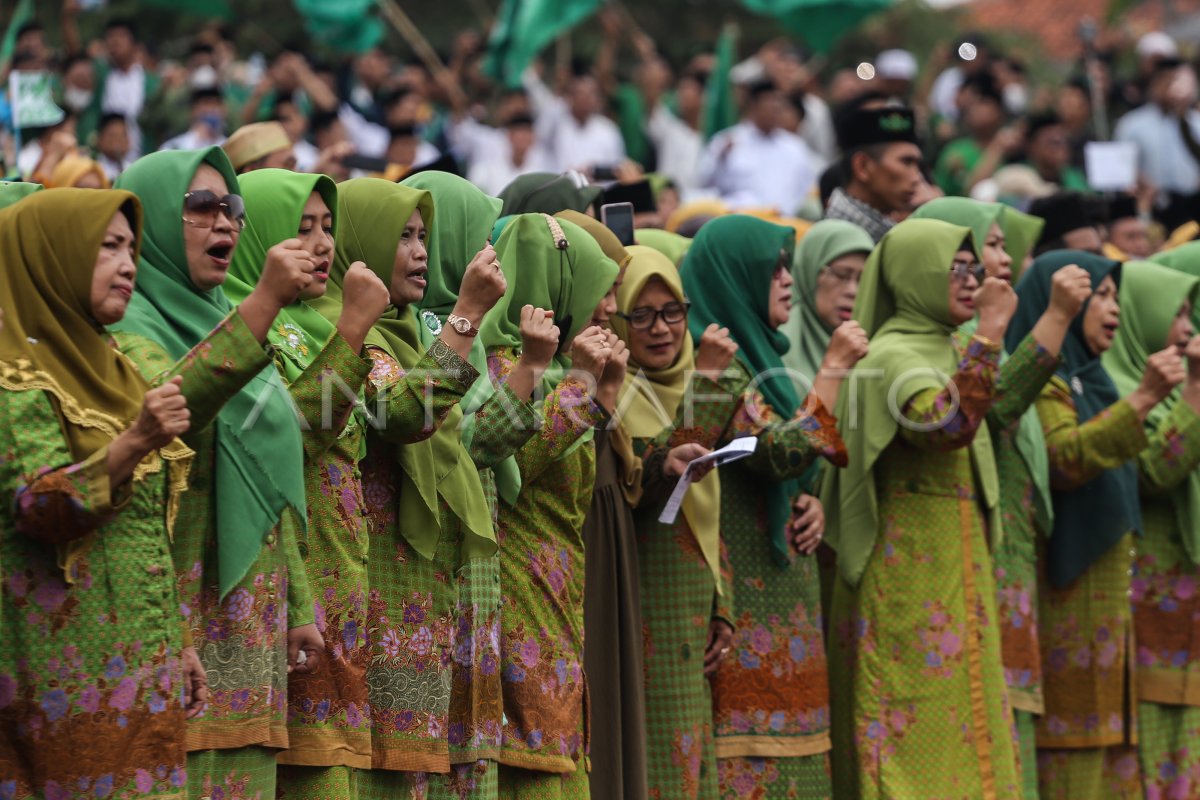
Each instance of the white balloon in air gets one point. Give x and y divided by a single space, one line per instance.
866 71
967 51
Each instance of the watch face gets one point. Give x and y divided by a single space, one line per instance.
462 325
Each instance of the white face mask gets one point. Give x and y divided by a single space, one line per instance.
204 77
77 99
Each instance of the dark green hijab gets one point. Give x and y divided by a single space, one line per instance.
727 275
259 468
1092 518
547 193
372 215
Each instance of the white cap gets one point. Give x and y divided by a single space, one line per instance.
898 65
1157 43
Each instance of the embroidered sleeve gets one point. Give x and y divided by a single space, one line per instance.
502 427
1021 379
945 419
1078 452
326 392
213 371
1173 452
787 449
299 595
409 406
54 500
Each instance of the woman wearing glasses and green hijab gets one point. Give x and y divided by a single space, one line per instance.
235 549
329 733
919 705
1026 509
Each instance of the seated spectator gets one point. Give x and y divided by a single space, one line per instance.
263 145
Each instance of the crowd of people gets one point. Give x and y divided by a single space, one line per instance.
344 451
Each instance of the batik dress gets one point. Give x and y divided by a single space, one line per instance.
771 692
680 598
544 744
328 715
242 641
476 697
90 670
1086 630
1022 376
412 600
1166 608
919 701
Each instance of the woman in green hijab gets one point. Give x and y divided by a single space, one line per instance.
92 473
671 245
236 548
556 266
329 734
1085 621
919 709
1020 450
770 699
426 510
1168 554
492 434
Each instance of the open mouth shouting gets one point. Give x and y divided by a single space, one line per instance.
221 253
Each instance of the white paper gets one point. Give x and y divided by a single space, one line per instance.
1111 166
734 451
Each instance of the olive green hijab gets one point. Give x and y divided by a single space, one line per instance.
904 306
1146 318
826 242
372 215
259 468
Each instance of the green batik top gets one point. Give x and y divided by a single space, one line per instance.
242 641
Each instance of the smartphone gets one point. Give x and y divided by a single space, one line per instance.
365 163
618 218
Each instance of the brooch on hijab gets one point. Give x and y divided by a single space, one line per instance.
1076 385
432 322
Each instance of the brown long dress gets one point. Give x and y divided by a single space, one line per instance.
612 654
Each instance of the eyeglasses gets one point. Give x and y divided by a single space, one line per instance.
961 270
641 319
843 275
200 208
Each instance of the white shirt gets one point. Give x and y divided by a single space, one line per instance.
572 145
112 169
776 170
943 96
817 130
306 155
1163 157
125 94
488 155
369 139
190 140
679 149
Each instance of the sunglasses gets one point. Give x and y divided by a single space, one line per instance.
200 208
641 319
961 270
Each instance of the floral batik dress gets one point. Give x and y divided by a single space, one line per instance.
771 693
920 708
1166 617
242 640
90 673
680 598
544 744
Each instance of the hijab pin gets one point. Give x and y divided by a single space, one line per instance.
432 322
1077 385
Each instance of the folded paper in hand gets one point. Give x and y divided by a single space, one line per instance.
734 451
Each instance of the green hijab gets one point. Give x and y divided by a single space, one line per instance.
372 215
1145 321
671 245
1186 259
1089 519
275 201
14 191
904 305
465 219
727 276
826 241
547 193
1021 233
1030 439
259 468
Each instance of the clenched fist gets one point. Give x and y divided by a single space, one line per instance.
716 350
287 272
1070 288
164 416
482 286
590 351
847 346
539 337
996 303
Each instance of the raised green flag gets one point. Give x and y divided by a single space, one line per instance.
348 26
720 112
21 14
523 29
820 23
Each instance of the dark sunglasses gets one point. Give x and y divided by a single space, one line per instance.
641 319
200 208
961 270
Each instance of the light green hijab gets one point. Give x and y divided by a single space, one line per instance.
275 201
259 469
1030 439
372 214
15 191
825 242
465 219
1151 295
672 245
903 304
1185 259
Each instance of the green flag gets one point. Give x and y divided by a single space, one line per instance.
21 14
719 110
820 23
348 26
31 95
523 29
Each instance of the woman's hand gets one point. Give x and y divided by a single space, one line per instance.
680 456
305 639
720 640
195 683
716 350
807 526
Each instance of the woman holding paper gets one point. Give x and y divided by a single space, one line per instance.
920 708
771 707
